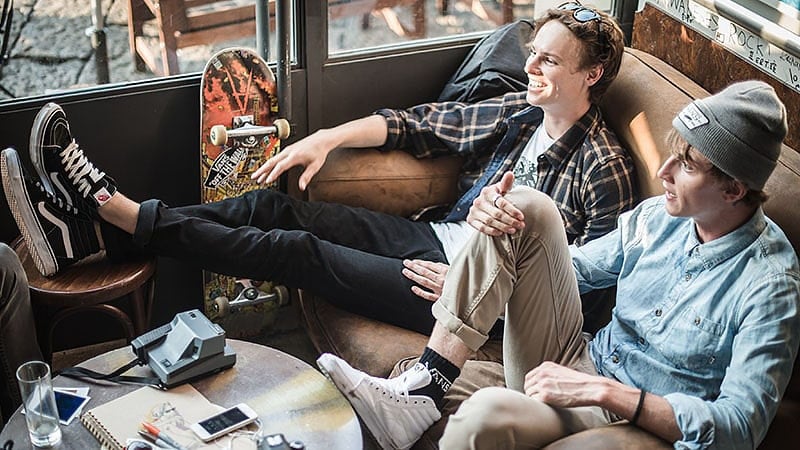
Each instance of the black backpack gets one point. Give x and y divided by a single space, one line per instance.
495 66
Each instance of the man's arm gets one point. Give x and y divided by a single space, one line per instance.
426 130
610 190
563 387
312 151
762 357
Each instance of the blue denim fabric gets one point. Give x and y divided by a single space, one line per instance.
714 327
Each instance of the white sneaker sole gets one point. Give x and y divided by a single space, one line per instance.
329 366
25 216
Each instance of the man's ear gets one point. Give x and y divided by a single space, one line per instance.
594 74
734 191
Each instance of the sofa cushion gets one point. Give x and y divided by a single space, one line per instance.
393 182
640 105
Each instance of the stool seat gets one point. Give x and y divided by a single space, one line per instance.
89 286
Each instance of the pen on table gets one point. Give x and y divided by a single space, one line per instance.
157 433
154 439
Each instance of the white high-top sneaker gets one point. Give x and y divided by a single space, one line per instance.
395 418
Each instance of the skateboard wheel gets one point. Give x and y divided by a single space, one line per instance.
282 295
218 134
222 306
283 128
250 293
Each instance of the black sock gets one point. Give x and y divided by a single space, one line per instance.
443 374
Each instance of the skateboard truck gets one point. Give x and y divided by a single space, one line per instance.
243 127
250 295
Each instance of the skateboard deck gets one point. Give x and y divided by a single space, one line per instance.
239 131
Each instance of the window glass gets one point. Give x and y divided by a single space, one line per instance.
360 24
785 13
50 43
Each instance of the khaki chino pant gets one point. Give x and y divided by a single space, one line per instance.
529 278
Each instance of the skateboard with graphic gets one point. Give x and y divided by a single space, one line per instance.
239 130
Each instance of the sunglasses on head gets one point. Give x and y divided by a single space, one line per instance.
580 13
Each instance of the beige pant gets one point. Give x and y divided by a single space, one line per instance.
528 277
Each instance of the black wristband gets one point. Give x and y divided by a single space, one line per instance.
639 405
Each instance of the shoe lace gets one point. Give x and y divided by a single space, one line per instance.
399 389
78 167
399 385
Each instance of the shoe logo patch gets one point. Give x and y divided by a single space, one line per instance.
102 196
439 379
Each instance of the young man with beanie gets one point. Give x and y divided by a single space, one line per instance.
702 341
552 135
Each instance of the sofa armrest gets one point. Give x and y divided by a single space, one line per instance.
393 182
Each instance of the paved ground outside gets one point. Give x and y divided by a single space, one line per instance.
50 50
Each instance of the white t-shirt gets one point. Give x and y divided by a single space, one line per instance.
454 235
525 168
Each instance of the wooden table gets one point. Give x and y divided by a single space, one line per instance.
290 397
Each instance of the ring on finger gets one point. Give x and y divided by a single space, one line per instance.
495 199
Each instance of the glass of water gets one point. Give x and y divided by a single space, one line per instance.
39 401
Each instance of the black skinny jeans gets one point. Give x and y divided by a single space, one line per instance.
350 256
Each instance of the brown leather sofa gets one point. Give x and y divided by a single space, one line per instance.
639 106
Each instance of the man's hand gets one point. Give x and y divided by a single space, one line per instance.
563 387
427 274
310 153
493 214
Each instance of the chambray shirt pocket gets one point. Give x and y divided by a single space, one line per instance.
694 342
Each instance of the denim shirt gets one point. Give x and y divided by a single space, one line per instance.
712 327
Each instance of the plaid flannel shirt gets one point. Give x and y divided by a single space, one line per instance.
586 171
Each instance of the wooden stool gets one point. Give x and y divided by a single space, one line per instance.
89 287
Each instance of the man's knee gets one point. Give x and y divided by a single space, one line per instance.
538 208
482 421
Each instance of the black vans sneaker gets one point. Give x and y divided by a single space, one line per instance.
57 234
62 167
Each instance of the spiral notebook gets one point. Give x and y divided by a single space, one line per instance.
171 411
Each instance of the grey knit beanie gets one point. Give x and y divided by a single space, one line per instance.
740 130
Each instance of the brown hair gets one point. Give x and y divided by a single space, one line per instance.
682 150
603 44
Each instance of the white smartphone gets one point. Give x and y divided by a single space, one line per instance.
224 422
